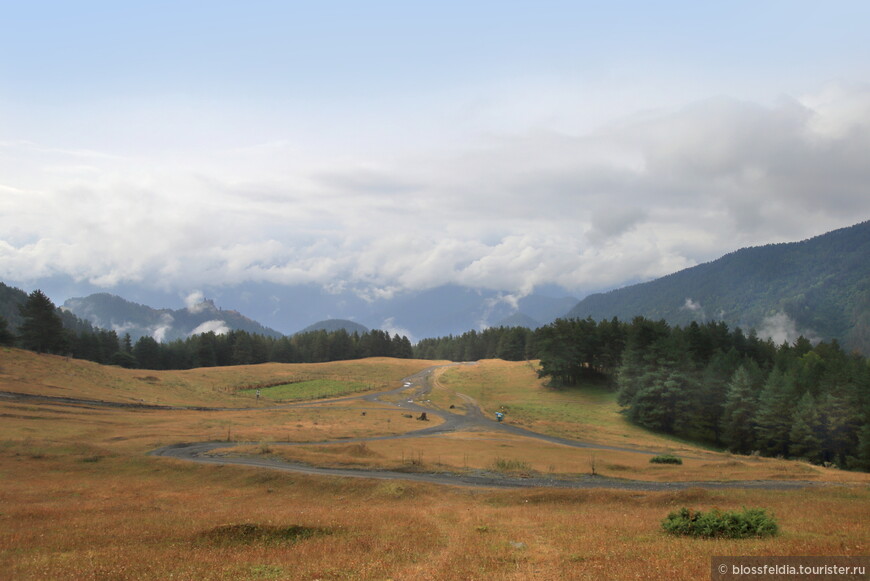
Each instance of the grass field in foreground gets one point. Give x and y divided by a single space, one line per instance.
461 452
69 512
79 499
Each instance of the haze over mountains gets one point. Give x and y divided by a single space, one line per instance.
819 288
108 311
436 312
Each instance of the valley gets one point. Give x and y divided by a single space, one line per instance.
561 489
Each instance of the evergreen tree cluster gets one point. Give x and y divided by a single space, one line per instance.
708 383
508 343
44 328
243 348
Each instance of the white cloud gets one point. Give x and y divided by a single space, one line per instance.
217 327
781 328
160 330
194 302
389 325
634 200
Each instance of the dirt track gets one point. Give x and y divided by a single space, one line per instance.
453 422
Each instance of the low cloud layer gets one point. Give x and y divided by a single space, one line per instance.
633 200
780 328
216 326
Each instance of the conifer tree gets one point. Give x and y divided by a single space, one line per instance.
737 419
6 336
773 418
42 330
861 460
804 437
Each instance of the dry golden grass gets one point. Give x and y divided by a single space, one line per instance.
25 372
67 515
588 413
458 452
79 499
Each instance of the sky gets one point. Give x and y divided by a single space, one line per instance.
382 147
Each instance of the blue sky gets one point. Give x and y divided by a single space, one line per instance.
388 146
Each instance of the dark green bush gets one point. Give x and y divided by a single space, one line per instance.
259 534
751 522
665 459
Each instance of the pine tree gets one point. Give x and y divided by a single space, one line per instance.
838 432
147 353
42 330
713 390
861 460
737 418
804 437
6 336
773 418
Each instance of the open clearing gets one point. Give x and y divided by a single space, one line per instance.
81 499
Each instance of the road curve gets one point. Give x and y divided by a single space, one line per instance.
474 419
198 452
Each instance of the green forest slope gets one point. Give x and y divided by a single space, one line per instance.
820 287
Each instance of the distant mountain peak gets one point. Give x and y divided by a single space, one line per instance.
113 312
203 306
519 320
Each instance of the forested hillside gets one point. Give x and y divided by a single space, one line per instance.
819 288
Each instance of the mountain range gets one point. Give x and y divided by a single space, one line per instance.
819 288
435 312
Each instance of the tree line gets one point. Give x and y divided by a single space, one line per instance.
508 343
46 329
703 382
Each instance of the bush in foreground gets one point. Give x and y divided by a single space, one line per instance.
751 522
665 459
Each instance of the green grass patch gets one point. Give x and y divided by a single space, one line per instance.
665 459
311 389
750 522
248 534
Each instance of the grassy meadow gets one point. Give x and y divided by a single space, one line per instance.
79 499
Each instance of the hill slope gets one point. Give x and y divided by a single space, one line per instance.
330 325
519 320
818 287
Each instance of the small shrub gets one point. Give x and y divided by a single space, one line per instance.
510 465
751 522
665 459
247 534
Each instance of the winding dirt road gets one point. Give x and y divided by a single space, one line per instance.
473 419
